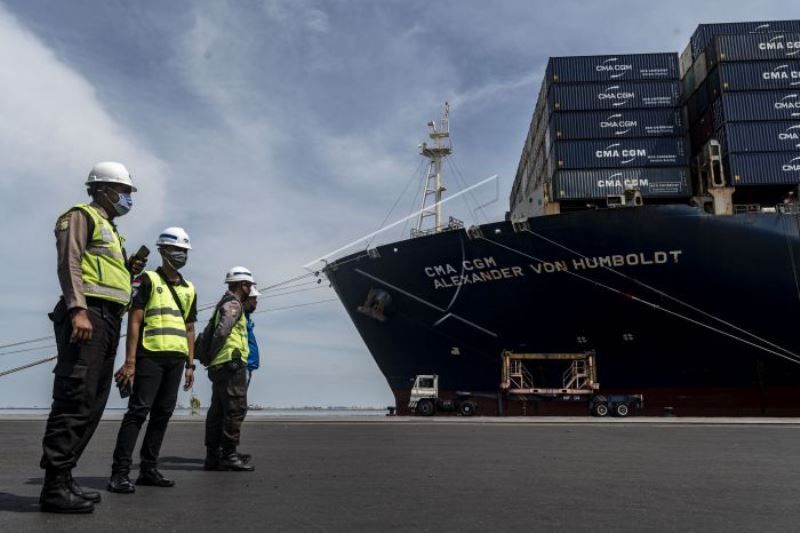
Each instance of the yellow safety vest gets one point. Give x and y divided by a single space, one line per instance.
103 269
164 325
237 340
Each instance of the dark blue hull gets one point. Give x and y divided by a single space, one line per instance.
697 312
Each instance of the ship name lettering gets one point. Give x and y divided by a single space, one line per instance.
549 267
659 257
495 274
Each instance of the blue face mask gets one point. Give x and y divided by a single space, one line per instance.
123 204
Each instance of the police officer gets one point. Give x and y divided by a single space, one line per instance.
160 345
228 374
95 278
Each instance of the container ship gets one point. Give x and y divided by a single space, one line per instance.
653 222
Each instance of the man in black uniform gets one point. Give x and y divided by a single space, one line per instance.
95 277
160 345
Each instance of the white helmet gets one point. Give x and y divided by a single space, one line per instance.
239 273
174 236
110 172
253 292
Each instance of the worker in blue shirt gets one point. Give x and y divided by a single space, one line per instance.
249 307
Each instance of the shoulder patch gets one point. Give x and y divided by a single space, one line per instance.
63 223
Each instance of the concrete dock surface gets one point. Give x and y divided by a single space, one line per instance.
441 474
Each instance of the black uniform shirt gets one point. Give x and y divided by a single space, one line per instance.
142 287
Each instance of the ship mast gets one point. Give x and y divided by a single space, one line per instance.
439 148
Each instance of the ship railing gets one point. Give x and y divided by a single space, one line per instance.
452 225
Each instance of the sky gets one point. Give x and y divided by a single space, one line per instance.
275 131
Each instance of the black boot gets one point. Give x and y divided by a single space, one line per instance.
245 457
120 483
230 460
212 459
152 477
57 497
91 495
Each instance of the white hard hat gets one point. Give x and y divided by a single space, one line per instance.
174 236
253 292
239 273
110 172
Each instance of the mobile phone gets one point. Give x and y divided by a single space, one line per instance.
143 252
124 391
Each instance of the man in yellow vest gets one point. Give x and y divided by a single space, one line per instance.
228 374
159 350
95 277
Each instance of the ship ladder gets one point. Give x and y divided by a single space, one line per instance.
520 377
576 376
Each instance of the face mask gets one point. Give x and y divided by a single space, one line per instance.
177 259
123 204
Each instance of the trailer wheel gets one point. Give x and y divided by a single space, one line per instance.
600 409
425 408
467 408
622 409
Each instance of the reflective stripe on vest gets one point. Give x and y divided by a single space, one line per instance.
103 269
164 326
237 340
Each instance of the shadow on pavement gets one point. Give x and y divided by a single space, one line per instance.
180 463
18 504
93 482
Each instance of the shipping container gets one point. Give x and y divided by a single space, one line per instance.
698 103
609 68
599 183
753 47
702 130
617 124
623 95
704 33
766 168
754 76
742 137
620 153
765 105
685 61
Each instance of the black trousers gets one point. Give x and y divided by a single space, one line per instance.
155 392
228 405
81 385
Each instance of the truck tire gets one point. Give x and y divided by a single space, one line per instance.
622 409
467 408
600 409
425 408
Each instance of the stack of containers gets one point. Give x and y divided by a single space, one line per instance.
742 87
604 124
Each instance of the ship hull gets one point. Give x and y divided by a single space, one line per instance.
697 312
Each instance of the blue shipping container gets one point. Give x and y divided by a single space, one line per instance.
617 124
753 47
620 153
740 137
765 105
755 76
623 95
671 182
766 168
579 69
702 36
